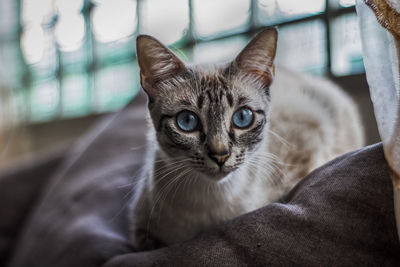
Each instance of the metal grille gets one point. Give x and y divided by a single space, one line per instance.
71 58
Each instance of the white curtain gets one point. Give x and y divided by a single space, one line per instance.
380 34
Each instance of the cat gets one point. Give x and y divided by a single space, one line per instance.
228 139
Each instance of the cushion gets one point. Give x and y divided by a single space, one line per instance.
341 214
20 187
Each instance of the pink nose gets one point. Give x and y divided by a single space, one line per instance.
219 156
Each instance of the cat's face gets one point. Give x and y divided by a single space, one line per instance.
215 123
209 118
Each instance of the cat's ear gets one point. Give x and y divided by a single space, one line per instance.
257 58
156 63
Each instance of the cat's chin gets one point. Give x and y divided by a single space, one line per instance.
216 175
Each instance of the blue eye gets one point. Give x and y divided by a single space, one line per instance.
187 121
242 117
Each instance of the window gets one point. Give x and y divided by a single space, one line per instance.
71 58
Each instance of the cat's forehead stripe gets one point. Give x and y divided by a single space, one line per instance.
243 100
210 97
209 81
200 101
185 102
229 97
214 87
221 93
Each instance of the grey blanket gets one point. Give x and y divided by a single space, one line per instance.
74 213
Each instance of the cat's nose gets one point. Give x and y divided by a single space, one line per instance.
219 156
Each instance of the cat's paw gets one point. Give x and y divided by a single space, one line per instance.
143 240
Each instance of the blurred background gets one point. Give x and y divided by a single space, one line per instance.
66 63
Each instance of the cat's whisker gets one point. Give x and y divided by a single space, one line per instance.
267 178
265 159
270 172
186 182
270 158
132 185
269 162
165 174
265 154
157 197
161 170
171 159
276 169
138 147
280 138
166 189
170 170
165 194
183 174
169 165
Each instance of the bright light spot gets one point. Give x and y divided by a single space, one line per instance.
32 43
44 100
69 32
166 20
268 6
46 95
309 48
292 7
114 20
73 89
7 17
114 86
70 27
347 3
218 51
69 6
75 99
215 16
99 1
36 10
346 45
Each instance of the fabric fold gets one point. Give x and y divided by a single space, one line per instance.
381 51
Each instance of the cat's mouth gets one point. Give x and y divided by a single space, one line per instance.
217 174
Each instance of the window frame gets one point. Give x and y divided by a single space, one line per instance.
187 42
